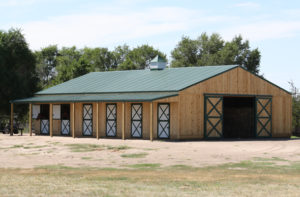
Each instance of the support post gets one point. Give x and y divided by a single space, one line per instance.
151 121
123 120
11 119
30 119
73 120
97 120
51 119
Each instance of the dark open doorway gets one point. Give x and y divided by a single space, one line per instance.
238 117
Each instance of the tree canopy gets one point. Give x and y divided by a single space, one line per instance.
55 66
18 78
213 50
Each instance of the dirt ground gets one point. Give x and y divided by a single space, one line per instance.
34 151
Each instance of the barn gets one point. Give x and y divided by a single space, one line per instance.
208 102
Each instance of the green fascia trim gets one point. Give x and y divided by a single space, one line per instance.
241 95
123 97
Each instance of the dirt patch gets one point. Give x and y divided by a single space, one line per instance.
29 152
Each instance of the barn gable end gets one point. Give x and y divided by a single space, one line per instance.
233 82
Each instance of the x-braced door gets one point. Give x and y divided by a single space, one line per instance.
213 116
45 126
65 119
87 119
163 121
111 120
136 120
263 116
65 127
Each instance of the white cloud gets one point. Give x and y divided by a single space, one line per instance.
247 5
264 30
105 28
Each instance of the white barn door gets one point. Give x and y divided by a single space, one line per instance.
87 119
111 120
136 120
163 121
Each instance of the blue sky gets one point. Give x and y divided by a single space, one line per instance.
271 26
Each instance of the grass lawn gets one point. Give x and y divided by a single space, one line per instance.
258 177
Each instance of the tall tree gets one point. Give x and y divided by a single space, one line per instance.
213 50
139 58
18 78
67 63
295 108
46 60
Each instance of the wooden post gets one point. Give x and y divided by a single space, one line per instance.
97 120
151 121
29 119
73 120
51 119
11 119
123 120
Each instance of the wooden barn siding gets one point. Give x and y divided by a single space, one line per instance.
174 120
236 81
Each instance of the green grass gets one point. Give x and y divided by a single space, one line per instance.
268 159
84 147
94 147
134 155
150 179
86 158
144 166
295 137
117 148
28 147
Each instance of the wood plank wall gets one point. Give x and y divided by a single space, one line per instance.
174 122
236 81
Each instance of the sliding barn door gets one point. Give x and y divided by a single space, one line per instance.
87 119
213 116
136 120
163 121
263 116
111 120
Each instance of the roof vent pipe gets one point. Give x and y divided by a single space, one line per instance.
158 63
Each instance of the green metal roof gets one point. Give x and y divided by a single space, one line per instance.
115 97
167 80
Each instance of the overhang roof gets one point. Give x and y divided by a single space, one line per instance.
115 97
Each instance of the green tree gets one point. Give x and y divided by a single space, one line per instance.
18 78
67 63
120 54
295 107
213 50
46 60
100 59
139 58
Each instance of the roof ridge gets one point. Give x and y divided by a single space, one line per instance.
167 68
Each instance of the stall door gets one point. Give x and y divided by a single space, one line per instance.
111 120
163 121
136 120
263 116
65 119
87 119
44 126
44 117
213 116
